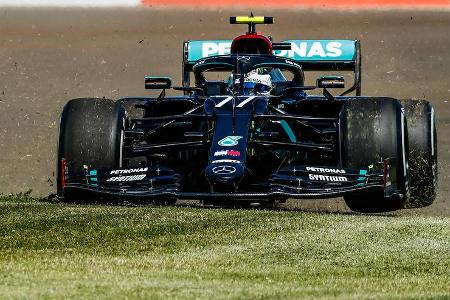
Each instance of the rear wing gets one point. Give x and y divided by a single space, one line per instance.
312 55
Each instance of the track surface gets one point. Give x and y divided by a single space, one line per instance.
49 56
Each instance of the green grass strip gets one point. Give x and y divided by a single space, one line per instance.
51 250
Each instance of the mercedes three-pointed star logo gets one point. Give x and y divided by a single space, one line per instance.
224 170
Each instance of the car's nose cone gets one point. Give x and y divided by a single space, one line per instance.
225 173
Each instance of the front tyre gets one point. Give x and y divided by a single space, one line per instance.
373 130
90 134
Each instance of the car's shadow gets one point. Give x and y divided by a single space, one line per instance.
303 206
323 206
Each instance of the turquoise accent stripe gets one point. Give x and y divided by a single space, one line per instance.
362 172
289 131
93 177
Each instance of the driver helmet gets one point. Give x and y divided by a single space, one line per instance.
257 82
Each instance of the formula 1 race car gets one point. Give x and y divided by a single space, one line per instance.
256 135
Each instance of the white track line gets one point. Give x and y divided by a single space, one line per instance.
70 3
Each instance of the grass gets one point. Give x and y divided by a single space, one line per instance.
50 250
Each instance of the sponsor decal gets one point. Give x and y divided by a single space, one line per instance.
224 101
93 177
227 153
318 177
127 178
224 161
129 171
304 50
229 141
241 104
215 48
325 170
246 101
221 153
292 63
243 58
224 170
314 49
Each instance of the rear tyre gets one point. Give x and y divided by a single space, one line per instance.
91 134
422 152
373 130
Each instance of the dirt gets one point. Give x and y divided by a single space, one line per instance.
51 55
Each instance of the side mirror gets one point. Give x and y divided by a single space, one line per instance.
331 82
157 82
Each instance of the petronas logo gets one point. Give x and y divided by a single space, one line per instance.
229 141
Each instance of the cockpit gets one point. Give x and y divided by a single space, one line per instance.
247 75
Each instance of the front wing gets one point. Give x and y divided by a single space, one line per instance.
298 182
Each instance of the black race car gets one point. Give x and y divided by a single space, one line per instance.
250 130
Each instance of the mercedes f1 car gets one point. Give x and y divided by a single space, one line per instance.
257 134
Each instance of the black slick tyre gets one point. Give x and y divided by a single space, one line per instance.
422 152
372 130
90 134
